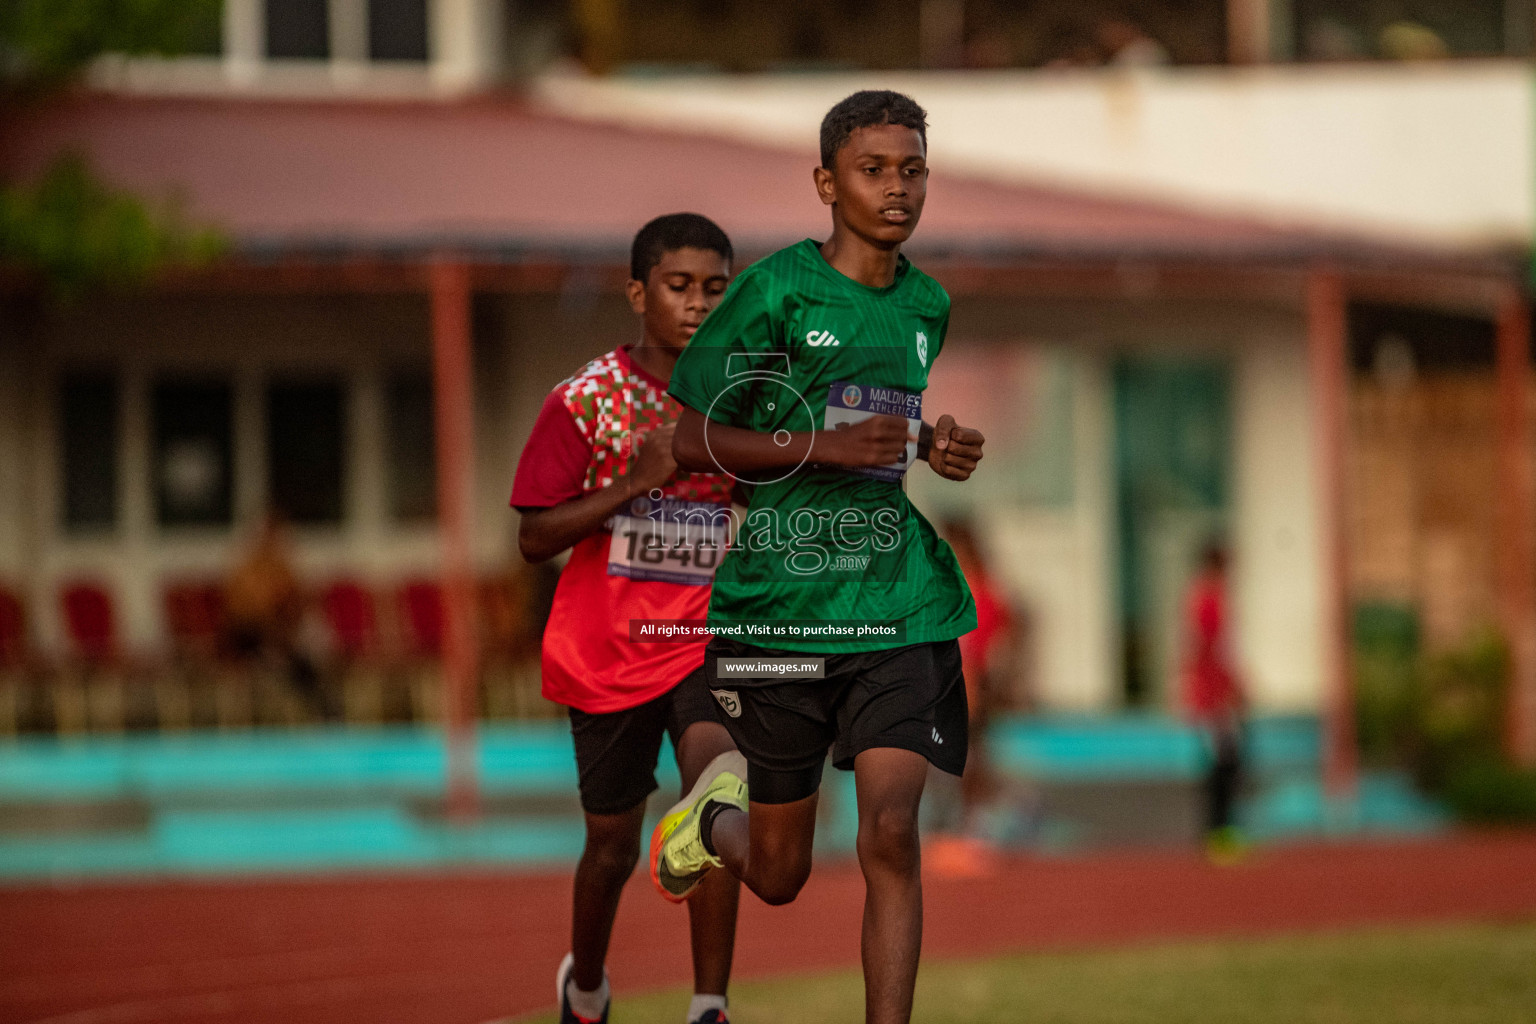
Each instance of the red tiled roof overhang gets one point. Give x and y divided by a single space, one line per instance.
505 183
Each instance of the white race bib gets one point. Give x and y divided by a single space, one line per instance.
669 541
848 404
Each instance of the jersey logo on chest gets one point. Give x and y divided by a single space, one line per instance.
821 339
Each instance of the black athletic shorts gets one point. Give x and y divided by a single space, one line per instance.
910 698
616 752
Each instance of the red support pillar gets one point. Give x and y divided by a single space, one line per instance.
1517 525
453 393
1327 350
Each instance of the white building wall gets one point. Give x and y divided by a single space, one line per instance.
1059 564
1279 569
1442 150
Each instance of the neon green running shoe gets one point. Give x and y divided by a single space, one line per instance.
679 861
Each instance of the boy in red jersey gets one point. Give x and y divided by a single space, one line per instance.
597 476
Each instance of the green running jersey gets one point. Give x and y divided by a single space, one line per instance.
794 345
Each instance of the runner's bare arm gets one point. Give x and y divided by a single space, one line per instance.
954 450
544 533
877 441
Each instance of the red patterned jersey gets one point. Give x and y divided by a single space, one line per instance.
653 560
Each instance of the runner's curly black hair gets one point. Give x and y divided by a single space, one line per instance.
864 110
672 232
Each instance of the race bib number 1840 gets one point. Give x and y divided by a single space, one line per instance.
669 541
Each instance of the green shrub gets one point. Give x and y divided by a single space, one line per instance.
1490 792
1460 710
1386 683
1439 716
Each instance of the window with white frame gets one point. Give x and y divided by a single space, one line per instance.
298 29
192 430
88 404
388 31
307 449
397 30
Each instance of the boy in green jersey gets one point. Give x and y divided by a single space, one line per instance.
837 610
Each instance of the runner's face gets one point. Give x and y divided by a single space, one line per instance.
879 183
679 293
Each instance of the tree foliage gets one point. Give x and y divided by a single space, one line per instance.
78 232
69 227
46 44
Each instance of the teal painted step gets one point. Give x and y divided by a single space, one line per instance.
279 840
344 836
537 758
222 803
1140 746
1383 803
523 759
76 856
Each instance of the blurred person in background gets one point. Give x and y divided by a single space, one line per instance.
594 475
264 611
968 852
1212 697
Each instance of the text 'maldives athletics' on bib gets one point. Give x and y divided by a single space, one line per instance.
848 404
796 346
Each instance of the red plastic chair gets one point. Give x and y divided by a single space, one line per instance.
94 693
420 604
347 607
90 621
13 630
13 662
194 616
421 618
349 615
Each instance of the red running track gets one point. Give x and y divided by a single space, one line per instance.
467 948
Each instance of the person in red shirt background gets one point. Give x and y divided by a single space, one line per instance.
967 853
597 476
1212 696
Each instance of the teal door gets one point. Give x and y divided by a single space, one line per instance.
1173 440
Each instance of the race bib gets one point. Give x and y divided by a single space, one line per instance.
669 541
848 404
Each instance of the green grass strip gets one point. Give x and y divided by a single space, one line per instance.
1444 975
